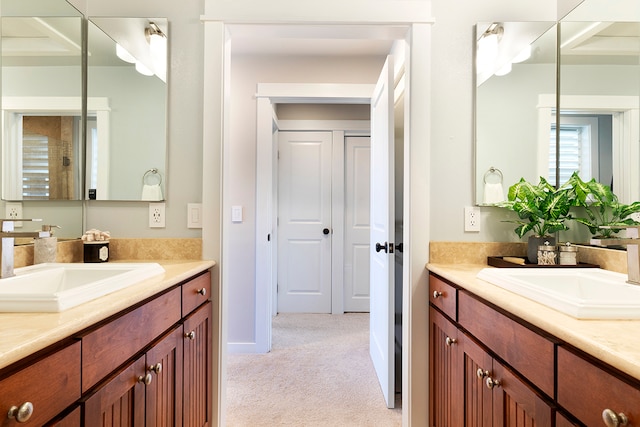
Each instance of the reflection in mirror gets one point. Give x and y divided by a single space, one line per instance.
600 94
515 65
41 135
126 138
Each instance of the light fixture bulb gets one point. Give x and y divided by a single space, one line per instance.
143 69
124 54
504 70
523 55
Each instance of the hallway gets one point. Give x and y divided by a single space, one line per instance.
319 373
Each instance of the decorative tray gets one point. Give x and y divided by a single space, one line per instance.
498 261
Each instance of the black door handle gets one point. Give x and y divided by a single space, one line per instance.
400 247
380 247
325 231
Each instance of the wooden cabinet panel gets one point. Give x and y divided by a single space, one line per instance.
109 346
478 398
70 420
444 368
586 390
121 401
515 403
164 392
51 385
529 353
196 292
197 368
443 295
562 421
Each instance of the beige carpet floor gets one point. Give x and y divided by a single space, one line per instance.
319 373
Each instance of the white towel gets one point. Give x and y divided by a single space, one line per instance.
151 192
493 193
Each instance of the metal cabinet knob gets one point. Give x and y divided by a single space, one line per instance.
202 291
481 373
191 335
157 368
491 383
450 341
611 419
437 294
145 379
21 413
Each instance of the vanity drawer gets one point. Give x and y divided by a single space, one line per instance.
586 390
443 295
50 385
529 353
109 346
195 292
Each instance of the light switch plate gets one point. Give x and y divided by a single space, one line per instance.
194 215
236 213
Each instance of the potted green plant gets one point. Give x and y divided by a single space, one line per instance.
542 209
601 207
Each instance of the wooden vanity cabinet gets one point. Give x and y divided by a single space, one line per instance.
50 384
586 390
469 383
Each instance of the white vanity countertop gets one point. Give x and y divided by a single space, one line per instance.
22 334
616 342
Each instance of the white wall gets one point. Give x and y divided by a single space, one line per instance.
452 159
184 172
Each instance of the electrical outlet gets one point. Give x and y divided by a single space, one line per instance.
156 215
471 218
14 211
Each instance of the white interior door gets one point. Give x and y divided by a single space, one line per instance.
304 217
356 217
382 232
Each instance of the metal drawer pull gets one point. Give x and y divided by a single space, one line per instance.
157 368
481 373
437 294
22 413
191 335
450 341
611 419
145 379
202 291
491 383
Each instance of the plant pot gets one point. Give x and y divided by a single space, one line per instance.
532 246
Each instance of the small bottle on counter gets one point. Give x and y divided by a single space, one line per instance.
547 254
568 254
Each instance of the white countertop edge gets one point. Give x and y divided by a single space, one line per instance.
22 334
615 342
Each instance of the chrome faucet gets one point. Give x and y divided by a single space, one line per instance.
8 236
633 253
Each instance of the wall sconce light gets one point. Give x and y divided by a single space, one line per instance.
124 54
158 48
487 47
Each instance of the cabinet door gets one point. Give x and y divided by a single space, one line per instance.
477 366
198 368
514 403
444 388
70 420
120 402
164 392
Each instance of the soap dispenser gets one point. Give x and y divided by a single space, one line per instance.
45 248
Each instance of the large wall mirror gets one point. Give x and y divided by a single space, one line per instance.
126 128
41 100
598 48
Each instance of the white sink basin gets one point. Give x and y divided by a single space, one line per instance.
583 293
56 287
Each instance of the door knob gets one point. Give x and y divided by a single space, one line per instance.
400 247
325 231
380 247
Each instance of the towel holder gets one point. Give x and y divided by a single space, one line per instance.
150 173
493 171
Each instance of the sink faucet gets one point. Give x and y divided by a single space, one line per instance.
8 236
633 253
